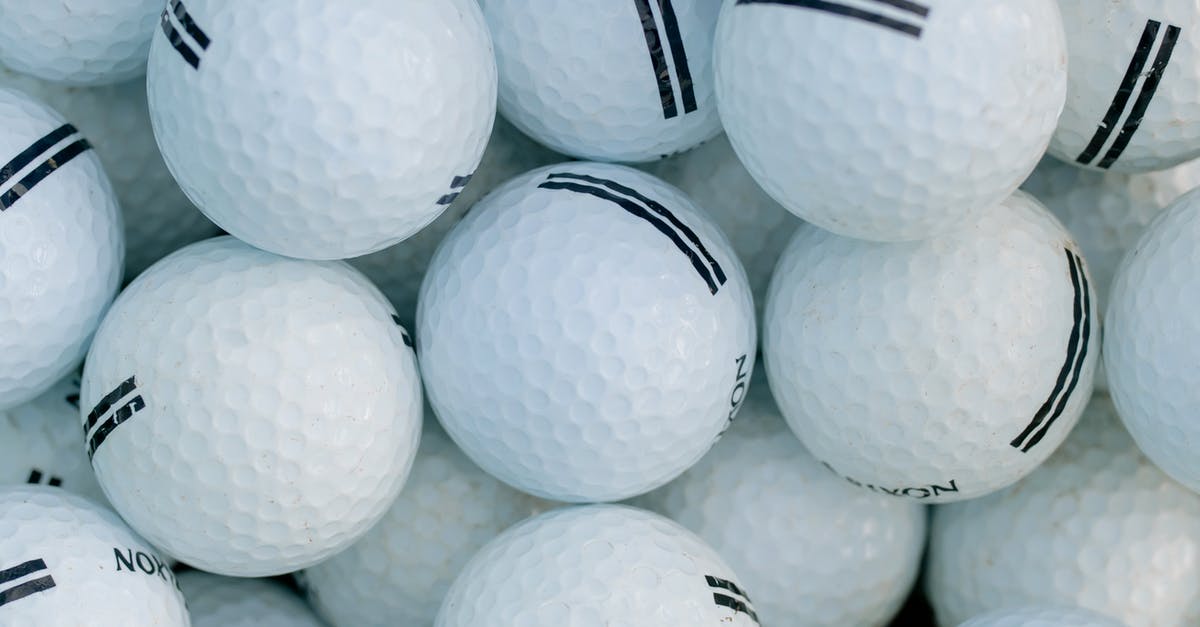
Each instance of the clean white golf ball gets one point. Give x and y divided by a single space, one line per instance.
1042 616
758 227
1097 526
216 601
78 42
40 444
629 80
814 549
399 572
322 130
65 561
596 565
890 120
938 370
1133 101
250 414
585 332
398 270
61 246
1152 340
159 218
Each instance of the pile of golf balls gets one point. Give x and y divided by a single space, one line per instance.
620 313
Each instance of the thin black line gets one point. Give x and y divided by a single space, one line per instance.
643 213
904 5
1121 99
658 60
678 55
21 570
1149 87
38 174
106 403
1087 330
34 151
899 26
126 411
448 198
35 586
1072 345
461 181
190 25
734 604
656 207
177 42
725 584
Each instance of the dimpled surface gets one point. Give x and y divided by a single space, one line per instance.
1097 526
570 347
911 367
280 409
61 249
1042 616
811 548
216 601
40 443
398 270
324 130
159 218
398 573
79 42
1103 38
1152 340
103 573
579 77
891 137
757 226
589 566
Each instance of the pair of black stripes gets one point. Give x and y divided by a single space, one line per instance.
456 187
11 591
721 586
97 435
912 24
1120 101
658 56
35 477
1077 348
176 10
637 204
38 150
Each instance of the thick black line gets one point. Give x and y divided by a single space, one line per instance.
190 25
1149 87
1121 99
38 174
912 30
734 604
682 71
20 570
904 5
1065 371
35 150
448 198
658 60
106 403
55 481
725 584
177 42
126 411
459 182
656 207
643 213
35 476
1087 330
17 593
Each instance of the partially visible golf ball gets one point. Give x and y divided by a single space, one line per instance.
216 601
1042 616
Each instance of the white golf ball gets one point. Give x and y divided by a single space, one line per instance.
78 42
399 572
610 81
938 370
814 549
65 561
398 269
1152 340
61 246
1042 616
1097 526
250 414
891 121
596 565
1133 104
322 130
585 332
216 601
159 218
40 443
